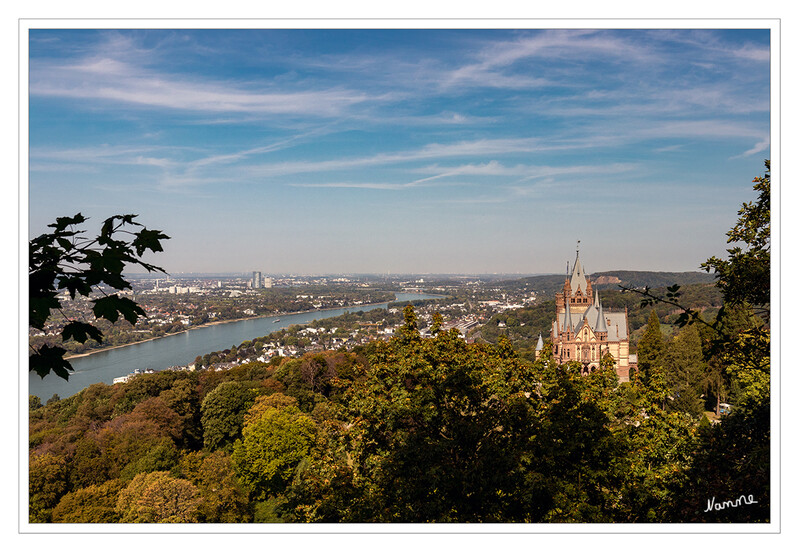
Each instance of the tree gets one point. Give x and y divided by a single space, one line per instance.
271 448
685 364
47 480
745 276
65 259
224 499
158 497
223 411
93 504
650 348
34 402
732 458
432 430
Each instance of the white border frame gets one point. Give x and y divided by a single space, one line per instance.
772 24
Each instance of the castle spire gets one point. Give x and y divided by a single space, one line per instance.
578 280
567 319
601 326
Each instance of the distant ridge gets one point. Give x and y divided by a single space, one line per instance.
550 284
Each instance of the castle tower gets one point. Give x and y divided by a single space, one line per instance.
583 330
577 290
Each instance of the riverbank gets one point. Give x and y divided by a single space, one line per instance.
207 324
218 322
181 348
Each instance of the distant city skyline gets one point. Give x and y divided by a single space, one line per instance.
403 151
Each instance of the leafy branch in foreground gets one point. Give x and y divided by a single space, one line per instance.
740 333
744 279
687 315
65 259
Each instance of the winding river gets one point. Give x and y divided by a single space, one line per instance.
179 349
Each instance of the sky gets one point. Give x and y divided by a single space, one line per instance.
403 151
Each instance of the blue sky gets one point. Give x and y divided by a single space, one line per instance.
447 151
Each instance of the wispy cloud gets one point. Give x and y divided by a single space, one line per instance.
120 82
759 147
543 124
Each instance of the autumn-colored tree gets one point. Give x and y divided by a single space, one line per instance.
124 442
157 497
92 504
184 399
47 483
223 498
264 402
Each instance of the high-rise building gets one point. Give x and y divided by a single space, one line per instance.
256 280
583 331
267 282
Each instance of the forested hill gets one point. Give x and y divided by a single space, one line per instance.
549 284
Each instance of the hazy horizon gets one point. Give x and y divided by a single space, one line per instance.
465 151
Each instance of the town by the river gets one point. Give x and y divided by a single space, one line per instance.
179 349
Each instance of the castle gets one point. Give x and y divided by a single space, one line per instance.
583 330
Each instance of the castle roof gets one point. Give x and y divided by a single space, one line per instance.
540 345
601 325
615 323
567 318
578 279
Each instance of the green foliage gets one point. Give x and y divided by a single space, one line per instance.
650 348
270 511
731 460
163 456
271 448
659 448
316 376
437 433
65 259
34 402
685 361
572 448
749 365
223 411
745 276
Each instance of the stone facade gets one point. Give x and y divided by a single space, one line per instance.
583 331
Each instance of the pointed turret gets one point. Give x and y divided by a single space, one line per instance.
601 326
540 345
567 319
578 280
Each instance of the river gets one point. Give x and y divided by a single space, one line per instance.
179 349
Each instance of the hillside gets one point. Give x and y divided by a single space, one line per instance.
547 285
